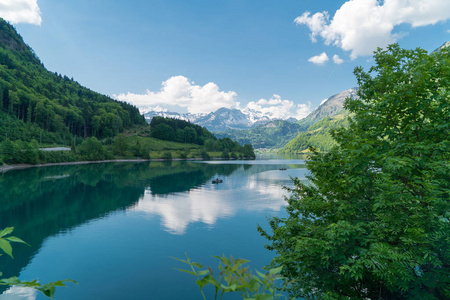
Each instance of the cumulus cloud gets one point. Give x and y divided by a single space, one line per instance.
20 11
179 91
319 59
276 108
337 60
360 26
316 23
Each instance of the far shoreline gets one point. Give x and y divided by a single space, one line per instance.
5 168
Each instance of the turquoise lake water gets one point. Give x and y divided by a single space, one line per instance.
114 227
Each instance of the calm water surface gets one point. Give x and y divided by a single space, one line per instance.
113 227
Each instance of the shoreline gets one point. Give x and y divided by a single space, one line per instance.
5 168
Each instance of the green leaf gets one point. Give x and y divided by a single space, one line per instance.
197 265
6 231
15 239
182 260
187 271
275 270
202 282
263 276
10 281
203 272
6 247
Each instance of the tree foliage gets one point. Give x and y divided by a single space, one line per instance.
31 94
317 136
177 130
181 131
236 278
374 221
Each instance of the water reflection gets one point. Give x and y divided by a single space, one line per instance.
19 293
51 201
250 189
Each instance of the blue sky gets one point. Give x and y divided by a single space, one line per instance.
196 56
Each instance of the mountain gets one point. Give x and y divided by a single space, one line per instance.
169 114
272 134
445 45
38 104
317 135
329 108
277 133
219 120
226 118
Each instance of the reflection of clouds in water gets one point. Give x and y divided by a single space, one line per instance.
19 293
178 210
249 193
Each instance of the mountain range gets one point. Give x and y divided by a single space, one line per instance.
253 127
229 119
219 120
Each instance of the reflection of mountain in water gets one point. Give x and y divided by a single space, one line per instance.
251 188
41 202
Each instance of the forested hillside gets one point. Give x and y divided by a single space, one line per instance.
274 134
35 102
176 130
317 135
181 131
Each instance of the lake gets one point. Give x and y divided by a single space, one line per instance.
113 227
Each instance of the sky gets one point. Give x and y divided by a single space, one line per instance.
280 57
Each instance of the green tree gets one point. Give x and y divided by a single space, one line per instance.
204 154
209 144
92 149
163 131
190 135
9 151
120 145
248 151
374 222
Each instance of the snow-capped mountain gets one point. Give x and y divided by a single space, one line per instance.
232 118
221 119
150 112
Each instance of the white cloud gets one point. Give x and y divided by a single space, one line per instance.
276 108
337 60
208 205
20 11
316 23
179 91
360 26
319 59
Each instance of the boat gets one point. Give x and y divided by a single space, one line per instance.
217 181
283 169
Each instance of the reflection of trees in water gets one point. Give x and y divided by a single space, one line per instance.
187 177
41 202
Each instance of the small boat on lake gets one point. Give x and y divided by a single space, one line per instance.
217 180
283 169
